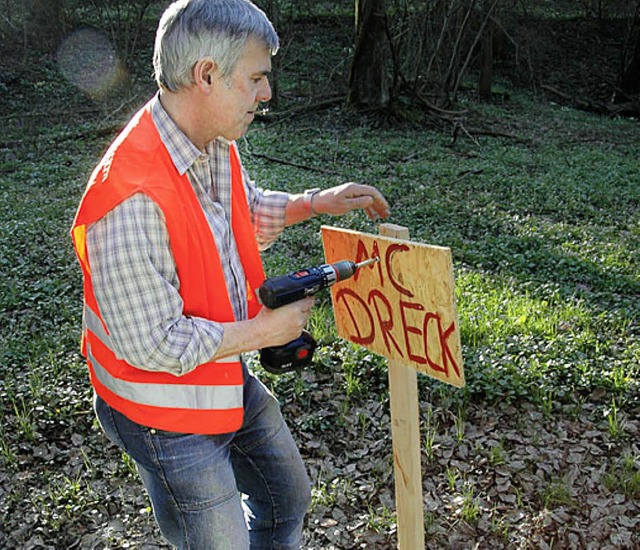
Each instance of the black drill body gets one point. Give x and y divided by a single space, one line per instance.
285 289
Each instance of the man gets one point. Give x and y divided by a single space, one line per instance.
168 236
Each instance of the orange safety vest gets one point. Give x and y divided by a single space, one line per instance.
207 400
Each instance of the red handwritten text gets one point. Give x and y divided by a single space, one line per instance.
388 314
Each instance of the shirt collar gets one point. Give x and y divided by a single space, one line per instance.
182 151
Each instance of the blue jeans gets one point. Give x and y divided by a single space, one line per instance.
247 489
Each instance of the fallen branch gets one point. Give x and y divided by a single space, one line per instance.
307 107
628 109
493 133
459 127
466 173
288 163
50 114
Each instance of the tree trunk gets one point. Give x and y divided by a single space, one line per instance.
630 81
273 9
368 82
486 65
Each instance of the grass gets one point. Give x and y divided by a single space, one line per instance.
557 494
430 431
381 519
470 511
545 234
497 455
615 424
624 475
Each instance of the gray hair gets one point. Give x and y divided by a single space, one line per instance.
191 30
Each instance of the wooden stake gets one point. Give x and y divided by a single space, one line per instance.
405 432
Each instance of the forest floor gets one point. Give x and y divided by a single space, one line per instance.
533 479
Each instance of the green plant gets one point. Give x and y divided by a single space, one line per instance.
7 452
470 511
359 372
24 417
321 495
497 455
557 493
499 526
380 519
547 402
321 323
452 478
129 465
614 423
65 499
624 475
459 424
89 466
363 422
430 430
326 494
432 525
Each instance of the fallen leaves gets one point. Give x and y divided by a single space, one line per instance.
508 476
531 480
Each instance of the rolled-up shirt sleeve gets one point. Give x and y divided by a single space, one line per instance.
137 289
268 209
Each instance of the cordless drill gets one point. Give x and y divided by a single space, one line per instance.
285 289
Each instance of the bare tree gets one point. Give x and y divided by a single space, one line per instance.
368 83
431 45
123 20
630 60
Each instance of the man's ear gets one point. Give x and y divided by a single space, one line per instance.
203 74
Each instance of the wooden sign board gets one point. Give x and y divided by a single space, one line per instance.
402 307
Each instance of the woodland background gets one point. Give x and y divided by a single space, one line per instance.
503 129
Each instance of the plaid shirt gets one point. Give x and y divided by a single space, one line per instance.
133 272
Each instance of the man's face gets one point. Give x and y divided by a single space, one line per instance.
236 97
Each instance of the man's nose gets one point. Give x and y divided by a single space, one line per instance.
264 94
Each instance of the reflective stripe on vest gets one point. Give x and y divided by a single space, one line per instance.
173 396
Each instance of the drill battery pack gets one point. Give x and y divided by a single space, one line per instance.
293 356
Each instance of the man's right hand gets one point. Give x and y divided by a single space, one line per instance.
271 327
285 323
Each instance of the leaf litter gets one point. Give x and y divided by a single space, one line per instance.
516 478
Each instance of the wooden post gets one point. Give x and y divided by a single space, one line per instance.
405 432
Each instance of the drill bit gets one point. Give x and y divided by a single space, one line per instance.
367 262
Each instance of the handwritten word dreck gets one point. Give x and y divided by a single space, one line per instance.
402 307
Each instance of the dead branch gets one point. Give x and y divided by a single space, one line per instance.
306 108
50 114
286 162
459 127
493 133
628 109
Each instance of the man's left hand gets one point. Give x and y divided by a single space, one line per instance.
351 196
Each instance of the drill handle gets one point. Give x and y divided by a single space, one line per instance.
285 289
